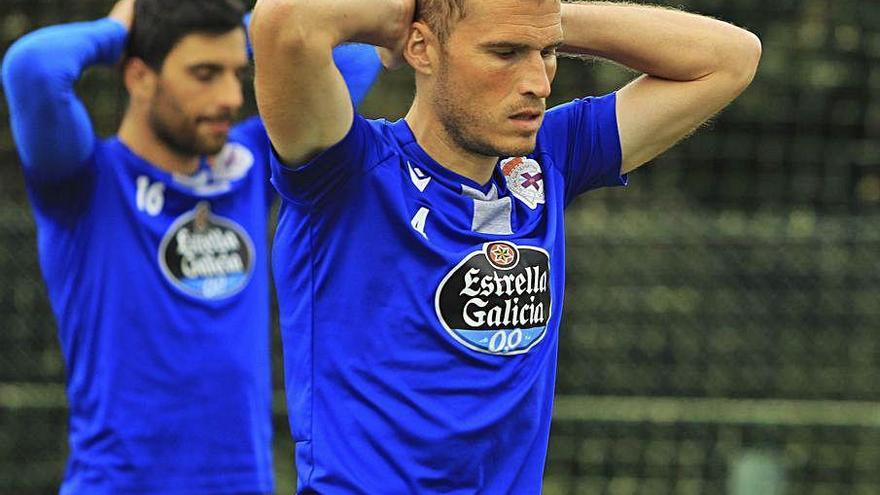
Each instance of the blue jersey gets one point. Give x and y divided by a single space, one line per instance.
420 309
159 283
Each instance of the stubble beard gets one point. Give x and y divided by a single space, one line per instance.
169 123
461 124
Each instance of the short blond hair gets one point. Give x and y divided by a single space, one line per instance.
441 15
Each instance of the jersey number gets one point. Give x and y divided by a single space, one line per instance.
418 221
150 197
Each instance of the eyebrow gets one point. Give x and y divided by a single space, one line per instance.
216 67
205 65
516 46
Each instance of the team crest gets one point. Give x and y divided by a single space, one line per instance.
497 300
525 179
232 163
206 255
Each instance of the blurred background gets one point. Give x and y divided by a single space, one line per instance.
722 322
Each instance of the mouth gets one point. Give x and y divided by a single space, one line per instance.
529 120
216 124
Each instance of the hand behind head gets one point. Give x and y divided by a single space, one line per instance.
123 11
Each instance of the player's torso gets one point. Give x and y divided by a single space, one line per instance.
158 246
482 264
446 317
160 289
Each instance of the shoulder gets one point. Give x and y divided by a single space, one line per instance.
590 107
366 145
368 140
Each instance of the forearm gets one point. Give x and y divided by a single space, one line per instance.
300 91
328 23
50 125
660 42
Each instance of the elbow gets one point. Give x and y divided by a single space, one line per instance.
281 26
744 59
15 62
736 62
25 69
751 57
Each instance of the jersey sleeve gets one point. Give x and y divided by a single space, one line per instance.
50 125
359 65
583 141
308 183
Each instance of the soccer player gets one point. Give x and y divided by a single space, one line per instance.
420 263
153 245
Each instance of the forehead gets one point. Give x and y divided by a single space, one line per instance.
227 49
533 22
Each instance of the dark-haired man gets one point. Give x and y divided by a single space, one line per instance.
153 245
420 263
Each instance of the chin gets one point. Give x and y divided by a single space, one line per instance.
520 147
213 146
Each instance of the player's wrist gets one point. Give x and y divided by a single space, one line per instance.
384 24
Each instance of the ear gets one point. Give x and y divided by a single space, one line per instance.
422 49
140 79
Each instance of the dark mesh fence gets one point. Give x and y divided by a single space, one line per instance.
722 325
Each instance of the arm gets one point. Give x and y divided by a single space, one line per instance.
358 63
50 125
693 67
301 93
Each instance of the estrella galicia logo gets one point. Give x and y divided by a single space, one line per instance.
497 300
206 255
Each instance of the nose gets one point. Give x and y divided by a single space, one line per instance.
229 92
537 75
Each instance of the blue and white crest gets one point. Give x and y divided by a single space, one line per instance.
525 179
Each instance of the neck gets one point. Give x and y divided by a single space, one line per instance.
137 135
439 145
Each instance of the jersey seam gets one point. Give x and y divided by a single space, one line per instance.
311 350
316 202
362 173
312 440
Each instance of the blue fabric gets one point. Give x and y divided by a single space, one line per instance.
420 351
159 284
359 65
48 62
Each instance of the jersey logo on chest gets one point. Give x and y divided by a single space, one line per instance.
206 255
497 300
525 179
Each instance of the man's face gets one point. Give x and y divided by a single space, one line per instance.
494 75
198 93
